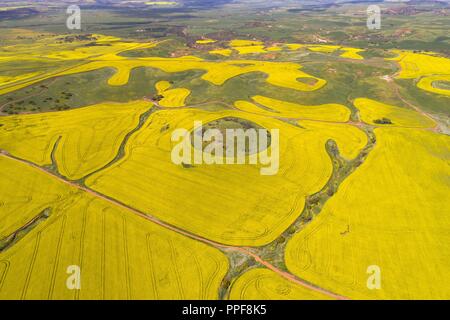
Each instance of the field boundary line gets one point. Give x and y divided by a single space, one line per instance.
30 269
6 263
58 252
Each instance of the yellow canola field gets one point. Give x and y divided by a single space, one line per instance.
323 48
429 68
205 41
352 53
244 43
120 255
415 65
244 47
23 197
284 109
250 49
294 46
87 138
274 48
55 49
105 55
162 86
232 204
8 79
371 110
391 213
264 284
349 53
222 52
349 139
428 84
173 98
282 74
97 51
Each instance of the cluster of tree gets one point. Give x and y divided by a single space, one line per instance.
383 121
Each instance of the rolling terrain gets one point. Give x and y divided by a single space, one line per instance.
86 137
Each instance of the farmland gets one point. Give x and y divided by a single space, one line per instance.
265 284
231 223
356 125
171 97
89 232
429 67
401 164
79 142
